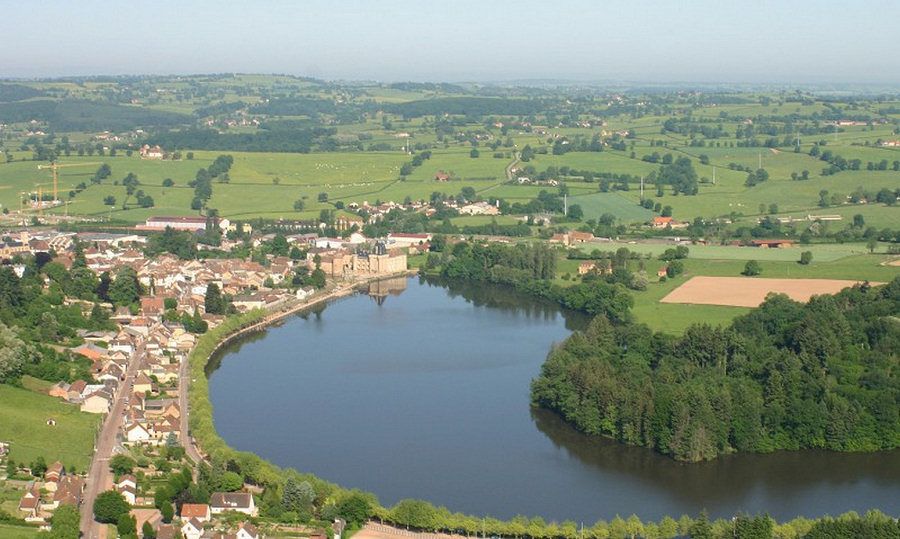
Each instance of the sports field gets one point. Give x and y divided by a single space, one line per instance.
750 291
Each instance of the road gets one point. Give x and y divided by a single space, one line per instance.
99 477
183 383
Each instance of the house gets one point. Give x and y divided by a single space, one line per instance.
127 480
165 531
151 152
441 176
30 504
586 267
59 390
153 306
479 208
143 383
54 473
75 391
97 402
69 491
128 492
198 511
662 272
247 531
90 351
572 237
242 502
137 433
661 222
192 529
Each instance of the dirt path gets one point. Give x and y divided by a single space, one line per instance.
374 530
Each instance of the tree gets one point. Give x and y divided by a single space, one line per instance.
121 464
147 530
168 182
299 205
213 301
474 154
701 528
126 525
751 268
230 482
297 496
39 466
168 512
575 212
355 508
806 257
64 524
109 506
14 355
872 244
125 289
322 197
109 200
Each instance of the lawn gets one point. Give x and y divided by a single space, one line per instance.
18 532
23 422
596 204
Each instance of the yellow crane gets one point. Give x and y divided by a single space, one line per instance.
54 167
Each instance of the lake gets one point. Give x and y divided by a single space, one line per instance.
417 389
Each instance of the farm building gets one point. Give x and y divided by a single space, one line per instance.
193 224
772 244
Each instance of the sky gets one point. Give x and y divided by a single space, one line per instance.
709 41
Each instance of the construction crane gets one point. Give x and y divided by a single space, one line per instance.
54 167
35 198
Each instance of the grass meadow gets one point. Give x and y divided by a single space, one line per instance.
23 422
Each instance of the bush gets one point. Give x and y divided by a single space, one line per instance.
751 268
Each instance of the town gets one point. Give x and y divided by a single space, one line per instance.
138 367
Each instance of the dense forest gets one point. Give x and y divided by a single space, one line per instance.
285 140
786 375
530 268
82 115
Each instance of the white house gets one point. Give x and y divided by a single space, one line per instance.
241 502
136 434
247 531
192 529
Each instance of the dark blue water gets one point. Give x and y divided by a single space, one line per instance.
423 393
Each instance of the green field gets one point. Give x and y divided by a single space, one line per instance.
596 204
821 252
18 532
23 422
832 261
364 151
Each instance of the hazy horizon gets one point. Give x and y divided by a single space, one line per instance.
646 41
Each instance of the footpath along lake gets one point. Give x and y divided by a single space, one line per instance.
420 389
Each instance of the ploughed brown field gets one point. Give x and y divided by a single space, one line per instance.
750 291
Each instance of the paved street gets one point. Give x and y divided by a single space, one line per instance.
99 477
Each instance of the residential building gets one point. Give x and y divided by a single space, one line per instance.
242 502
